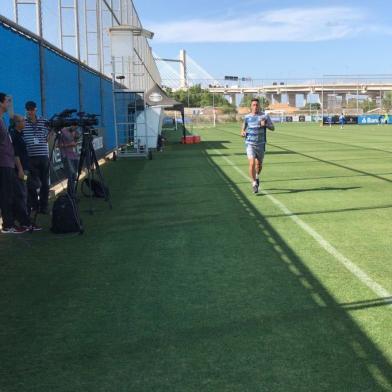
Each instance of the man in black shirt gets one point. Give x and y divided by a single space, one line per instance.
7 173
22 170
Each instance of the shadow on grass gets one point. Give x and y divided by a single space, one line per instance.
353 146
320 189
333 163
371 303
322 177
341 210
197 292
340 342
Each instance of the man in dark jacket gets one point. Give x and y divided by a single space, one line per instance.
7 173
22 170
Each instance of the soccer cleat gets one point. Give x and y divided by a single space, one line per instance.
255 188
14 230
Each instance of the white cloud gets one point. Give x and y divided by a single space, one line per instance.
284 25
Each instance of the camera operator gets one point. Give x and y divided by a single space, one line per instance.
35 135
69 155
22 170
7 173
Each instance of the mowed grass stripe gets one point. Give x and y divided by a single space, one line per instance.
353 268
178 288
315 189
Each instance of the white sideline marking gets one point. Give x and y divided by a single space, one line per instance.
347 263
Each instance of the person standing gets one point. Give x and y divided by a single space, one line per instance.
69 155
22 170
329 120
255 132
342 120
7 173
35 135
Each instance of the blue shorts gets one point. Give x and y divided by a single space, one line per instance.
255 151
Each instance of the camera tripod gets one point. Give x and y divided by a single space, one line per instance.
70 192
89 159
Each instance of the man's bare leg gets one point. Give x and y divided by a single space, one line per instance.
252 169
253 174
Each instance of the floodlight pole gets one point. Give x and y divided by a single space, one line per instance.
322 100
213 109
357 97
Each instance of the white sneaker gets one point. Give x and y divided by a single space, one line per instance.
13 230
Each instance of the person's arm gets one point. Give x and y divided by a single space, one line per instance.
19 167
17 152
267 122
243 130
3 130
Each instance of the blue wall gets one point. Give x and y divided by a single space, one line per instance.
61 83
66 84
19 68
90 92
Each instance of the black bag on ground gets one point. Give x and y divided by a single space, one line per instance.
94 187
65 216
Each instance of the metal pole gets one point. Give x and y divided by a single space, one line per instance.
99 36
16 16
39 18
114 102
42 77
61 24
123 13
213 109
357 97
86 33
322 100
77 41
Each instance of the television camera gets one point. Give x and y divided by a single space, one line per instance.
70 117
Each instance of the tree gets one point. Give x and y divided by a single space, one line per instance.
197 97
247 99
368 105
387 101
312 106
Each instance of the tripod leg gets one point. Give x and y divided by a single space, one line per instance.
80 166
98 170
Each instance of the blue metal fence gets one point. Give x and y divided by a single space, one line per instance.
30 70
61 82
19 68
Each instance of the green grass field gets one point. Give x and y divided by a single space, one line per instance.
193 283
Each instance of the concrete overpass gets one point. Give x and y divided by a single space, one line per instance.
325 90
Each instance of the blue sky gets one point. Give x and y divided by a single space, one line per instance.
274 39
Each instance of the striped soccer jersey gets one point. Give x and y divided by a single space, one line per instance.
255 134
35 136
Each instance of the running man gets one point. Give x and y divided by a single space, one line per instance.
255 132
342 120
